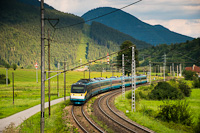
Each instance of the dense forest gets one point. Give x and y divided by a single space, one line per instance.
20 36
131 25
185 53
106 36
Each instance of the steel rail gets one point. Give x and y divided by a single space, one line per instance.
90 121
110 116
83 129
122 117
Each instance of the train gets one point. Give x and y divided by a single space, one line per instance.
83 89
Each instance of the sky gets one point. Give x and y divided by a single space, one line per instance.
181 16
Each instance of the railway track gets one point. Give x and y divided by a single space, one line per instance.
121 124
106 112
83 121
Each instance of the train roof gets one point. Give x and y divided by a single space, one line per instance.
96 80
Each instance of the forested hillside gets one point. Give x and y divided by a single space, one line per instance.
20 36
129 24
106 36
185 53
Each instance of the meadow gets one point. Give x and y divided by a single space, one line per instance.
27 91
147 109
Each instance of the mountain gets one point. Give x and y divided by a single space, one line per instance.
128 24
20 36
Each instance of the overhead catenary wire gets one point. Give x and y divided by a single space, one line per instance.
100 15
93 18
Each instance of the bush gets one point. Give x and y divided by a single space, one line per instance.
189 75
3 79
178 112
197 126
14 66
164 90
196 83
185 89
129 96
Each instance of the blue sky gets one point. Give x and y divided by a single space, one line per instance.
182 16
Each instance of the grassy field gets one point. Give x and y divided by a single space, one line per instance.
147 108
27 91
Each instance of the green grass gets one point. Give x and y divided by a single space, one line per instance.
27 91
147 110
55 123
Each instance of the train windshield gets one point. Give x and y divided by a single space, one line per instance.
78 89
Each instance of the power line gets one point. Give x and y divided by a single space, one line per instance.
100 15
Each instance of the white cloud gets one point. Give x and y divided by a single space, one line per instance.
182 26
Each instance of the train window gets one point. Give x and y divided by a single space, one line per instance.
78 89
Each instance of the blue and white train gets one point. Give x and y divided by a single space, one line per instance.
86 88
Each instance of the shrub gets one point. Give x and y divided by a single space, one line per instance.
14 66
178 112
189 75
185 89
129 95
164 90
197 126
3 79
196 83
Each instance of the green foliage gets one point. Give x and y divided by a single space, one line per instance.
185 89
127 56
197 126
164 90
129 96
178 112
3 79
196 83
174 52
130 25
7 66
189 75
14 66
112 36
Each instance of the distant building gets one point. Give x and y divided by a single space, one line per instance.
194 68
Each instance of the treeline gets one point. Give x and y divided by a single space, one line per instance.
187 53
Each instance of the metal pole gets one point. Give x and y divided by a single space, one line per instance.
150 72
89 70
64 81
49 86
42 69
58 84
173 69
133 76
13 88
36 75
7 76
164 66
123 86
177 71
170 70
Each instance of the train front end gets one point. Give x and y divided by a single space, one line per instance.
78 93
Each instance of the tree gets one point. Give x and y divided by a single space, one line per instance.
189 75
7 66
128 56
14 66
